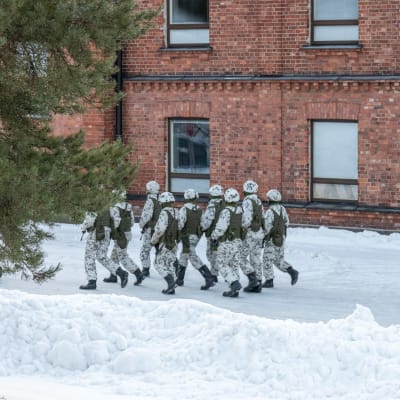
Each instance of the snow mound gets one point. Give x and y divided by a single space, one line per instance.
184 342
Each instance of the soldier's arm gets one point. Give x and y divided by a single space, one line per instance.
268 221
160 228
114 212
207 218
247 215
182 218
222 224
146 213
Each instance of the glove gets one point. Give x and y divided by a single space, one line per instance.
214 244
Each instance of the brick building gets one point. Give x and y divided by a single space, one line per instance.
299 95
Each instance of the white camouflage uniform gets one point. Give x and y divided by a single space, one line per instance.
145 218
274 255
193 239
228 253
96 249
164 262
118 255
251 253
206 221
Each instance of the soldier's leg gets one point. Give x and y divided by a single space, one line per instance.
269 257
101 255
145 251
211 255
193 256
164 265
90 258
256 256
244 256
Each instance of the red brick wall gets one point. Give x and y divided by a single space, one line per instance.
268 37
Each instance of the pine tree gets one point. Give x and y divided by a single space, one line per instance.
56 57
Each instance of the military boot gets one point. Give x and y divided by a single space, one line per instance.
91 285
123 275
171 285
206 274
269 283
111 279
176 266
180 276
1 272
139 277
146 272
293 274
234 290
254 285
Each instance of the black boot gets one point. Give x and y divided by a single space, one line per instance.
139 277
91 285
215 277
269 283
206 274
171 285
180 276
293 274
111 279
234 290
254 285
146 272
1 272
176 266
123 275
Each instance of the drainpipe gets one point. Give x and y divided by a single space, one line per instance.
118 89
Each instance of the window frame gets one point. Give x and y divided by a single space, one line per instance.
332 22
338 181
171 175
171 26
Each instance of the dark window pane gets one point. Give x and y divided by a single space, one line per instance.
191 144
189 11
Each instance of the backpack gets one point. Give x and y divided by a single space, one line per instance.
171 235
278 231
257 219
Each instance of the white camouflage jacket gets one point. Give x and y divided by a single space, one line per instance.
269 217
148 210
162 223
224 220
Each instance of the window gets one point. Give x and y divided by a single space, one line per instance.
189 155
188 23
335 161
334 22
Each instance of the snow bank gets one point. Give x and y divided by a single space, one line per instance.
184 346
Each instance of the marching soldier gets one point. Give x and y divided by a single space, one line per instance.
148 219
98 227
228 231
123 220
190 234
165 240
276 222
251 263
207 223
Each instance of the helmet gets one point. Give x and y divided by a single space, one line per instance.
190 194
166 197
152 187
250 187
274 195
232 196
216 190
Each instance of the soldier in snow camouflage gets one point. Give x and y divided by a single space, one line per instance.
207 223
123 220
276 222
190 234
148 219
98 227
228 232
165 239
252 220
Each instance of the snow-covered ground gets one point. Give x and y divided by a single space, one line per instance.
335 335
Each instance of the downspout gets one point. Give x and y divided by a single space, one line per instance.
118 89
